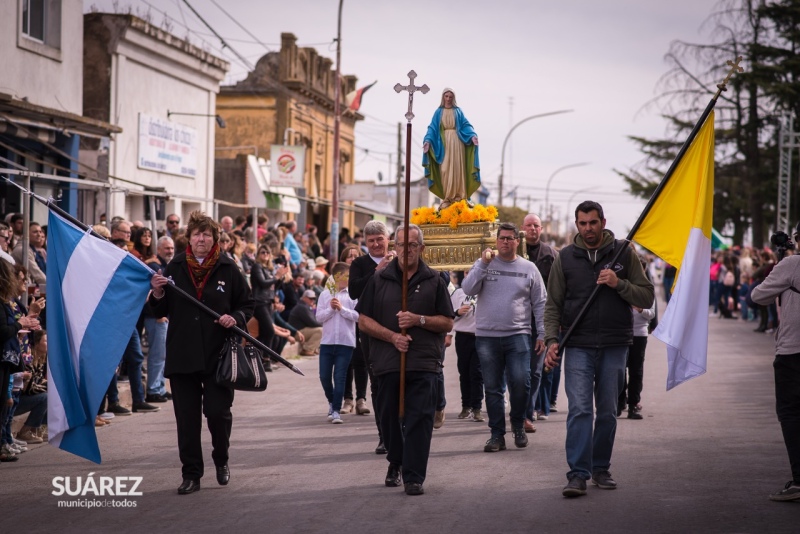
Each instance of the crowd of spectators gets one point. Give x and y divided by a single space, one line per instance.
285 267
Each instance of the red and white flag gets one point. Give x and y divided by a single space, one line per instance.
353 98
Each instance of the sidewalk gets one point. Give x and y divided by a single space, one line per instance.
705 458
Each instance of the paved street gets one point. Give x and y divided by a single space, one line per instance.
704 458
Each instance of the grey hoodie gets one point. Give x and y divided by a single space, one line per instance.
784 276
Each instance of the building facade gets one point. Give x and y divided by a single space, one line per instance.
289 99
161 90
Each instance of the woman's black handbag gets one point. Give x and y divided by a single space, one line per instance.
240 367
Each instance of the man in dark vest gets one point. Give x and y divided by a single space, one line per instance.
543 256
428 317
595 355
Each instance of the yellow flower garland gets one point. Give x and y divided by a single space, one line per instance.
455 214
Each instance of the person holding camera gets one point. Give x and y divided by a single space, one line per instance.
783 283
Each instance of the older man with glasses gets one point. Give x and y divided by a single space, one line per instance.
5 240
510 291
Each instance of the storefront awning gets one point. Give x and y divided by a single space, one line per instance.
24 114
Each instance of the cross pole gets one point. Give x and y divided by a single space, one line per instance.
411 88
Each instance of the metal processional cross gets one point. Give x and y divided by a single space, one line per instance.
411 88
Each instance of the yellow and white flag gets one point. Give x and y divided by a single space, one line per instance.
678 230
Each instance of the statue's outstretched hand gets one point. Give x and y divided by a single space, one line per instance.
425 147
475 141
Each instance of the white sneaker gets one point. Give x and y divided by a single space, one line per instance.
20 443
107 415
19 449
330 411
336 419
7 450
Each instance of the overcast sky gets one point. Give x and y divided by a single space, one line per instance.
602 59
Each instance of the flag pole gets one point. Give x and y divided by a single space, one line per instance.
734 68
51 205
411 88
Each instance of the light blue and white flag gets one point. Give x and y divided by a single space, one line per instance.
95 293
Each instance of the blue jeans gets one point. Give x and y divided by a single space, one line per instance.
333 363
588 372
156 356
36 405
133 355
5 435
510 358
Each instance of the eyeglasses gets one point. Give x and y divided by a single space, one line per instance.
411 246
506 238
4 237
173 222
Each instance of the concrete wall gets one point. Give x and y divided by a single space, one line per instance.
47 74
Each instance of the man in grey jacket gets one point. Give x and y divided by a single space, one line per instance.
510 291
783 283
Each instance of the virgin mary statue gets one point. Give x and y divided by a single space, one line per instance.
450 153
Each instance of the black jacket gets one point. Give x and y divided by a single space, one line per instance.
194 340
263 283
361 270
381 301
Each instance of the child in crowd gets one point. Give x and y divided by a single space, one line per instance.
336 312
744 290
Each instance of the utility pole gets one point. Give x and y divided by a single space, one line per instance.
399 203
337 118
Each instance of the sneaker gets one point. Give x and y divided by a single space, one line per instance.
633 413
106 416
330 411
465 413
21 444
541 417
575 487
117 409
477 416
529 427
361 407
336 419
494 444
42 433
7 450
28 435
553 408
438 419
603 480
520 438
155 397
414 488
347 407
144 407
790 492
18 449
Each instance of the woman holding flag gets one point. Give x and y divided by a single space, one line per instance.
194 342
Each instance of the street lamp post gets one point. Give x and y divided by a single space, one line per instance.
569 203
505 142
547 206
334 239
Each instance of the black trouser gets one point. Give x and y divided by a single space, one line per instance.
409 443
787 406
357 371
194 395
266 330
469 371
631 393
373 387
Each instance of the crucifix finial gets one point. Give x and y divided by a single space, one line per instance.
734 69
411 88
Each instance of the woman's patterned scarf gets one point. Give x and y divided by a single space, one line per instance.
199 272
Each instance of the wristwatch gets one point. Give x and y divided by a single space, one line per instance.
422 320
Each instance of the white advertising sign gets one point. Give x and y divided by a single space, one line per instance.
166 146
287 165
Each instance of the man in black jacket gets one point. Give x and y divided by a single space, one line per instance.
429 316
543 256
361 271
